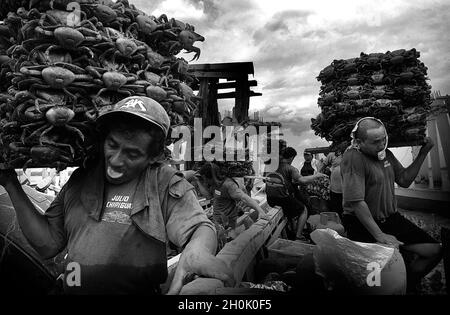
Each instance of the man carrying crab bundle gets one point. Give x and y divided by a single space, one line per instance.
116 217
370 214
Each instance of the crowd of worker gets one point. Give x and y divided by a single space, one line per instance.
118 214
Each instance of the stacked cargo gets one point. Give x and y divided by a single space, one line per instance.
61 62
390 86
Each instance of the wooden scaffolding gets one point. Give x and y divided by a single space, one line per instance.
209 88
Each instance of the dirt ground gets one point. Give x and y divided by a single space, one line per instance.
434 282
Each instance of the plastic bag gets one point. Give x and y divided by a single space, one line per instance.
345 263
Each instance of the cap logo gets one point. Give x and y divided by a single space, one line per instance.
134 103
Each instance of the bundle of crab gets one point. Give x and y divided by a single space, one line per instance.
61 61
391 86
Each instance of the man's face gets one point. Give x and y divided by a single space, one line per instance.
374 142
307 157
126 156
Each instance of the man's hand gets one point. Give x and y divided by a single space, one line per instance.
263 216
320 175
388 239
197 260
427 146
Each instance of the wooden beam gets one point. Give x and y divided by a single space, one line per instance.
219 75
233 95
238 67
242 100
232 85
226 85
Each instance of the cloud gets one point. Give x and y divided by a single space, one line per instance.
289 42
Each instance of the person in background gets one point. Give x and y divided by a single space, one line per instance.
310 166
333 161
227 192
285 195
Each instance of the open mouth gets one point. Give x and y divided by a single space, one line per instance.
113 174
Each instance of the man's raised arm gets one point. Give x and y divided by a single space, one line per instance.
45 237
406 176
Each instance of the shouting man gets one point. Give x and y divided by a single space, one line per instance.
116 217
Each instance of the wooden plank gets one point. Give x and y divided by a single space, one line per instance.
226 85
242 101
211 117
233 95
239 253
232 85
239 67
277 232
219 75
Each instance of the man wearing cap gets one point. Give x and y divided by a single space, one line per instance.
370 213
116 217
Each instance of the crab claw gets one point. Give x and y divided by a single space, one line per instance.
197 53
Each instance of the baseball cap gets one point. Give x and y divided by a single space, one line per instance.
140 106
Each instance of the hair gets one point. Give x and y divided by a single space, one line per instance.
129 125
364 126
288 153
211 171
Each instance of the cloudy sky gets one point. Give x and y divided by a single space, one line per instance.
289 42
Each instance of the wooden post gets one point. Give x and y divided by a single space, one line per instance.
212 118
242 99
443 127
434 154
203 93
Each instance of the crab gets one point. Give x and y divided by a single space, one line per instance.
71 39
113 80
60 76
350 65
327 74
185 40
372 61
48 155
188 95
382 91
145 25
327 99
353 79
378 77
384 107
415 132
125 48
58 120
108 16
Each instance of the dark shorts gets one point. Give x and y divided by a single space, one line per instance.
291 206
335 203
396 225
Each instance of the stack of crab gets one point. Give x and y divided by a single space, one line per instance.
391 86
62 61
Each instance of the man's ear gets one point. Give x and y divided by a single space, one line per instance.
357 142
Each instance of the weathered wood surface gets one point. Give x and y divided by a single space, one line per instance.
239 253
